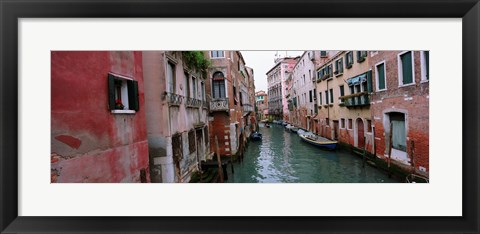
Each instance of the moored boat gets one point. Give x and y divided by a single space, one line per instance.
256 136
294 129
319 141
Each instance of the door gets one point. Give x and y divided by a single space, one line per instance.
335 130
360 133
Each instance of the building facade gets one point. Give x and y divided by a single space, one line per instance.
276 78
400 108
230 106
176 108
98 130
261 99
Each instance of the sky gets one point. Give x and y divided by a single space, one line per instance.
262 62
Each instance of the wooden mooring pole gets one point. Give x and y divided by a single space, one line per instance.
364 152
219 161
390 150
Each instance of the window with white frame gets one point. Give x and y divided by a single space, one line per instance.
339 66
122 94
342 92
349 124
171 77
380 77
349 59
425 57
331 96
361 55
218 85
217 54
406 68
187 84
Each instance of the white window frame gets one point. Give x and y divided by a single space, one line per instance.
211 54
423 66
349 126
400 70
123 94
377 83
373 53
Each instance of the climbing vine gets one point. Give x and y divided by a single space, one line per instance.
196 59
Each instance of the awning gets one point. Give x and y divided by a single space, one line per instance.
357 79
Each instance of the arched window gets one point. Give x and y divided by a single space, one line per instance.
218 85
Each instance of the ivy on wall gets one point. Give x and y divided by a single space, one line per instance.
196 59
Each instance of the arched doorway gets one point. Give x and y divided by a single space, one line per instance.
360 133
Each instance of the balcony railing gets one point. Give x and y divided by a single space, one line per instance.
173 99
192 102
205 104
219 104
356 100
247 108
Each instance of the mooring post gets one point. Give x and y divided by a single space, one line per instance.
219 161
364 151
390 151
412 153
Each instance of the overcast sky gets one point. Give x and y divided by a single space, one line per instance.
262 62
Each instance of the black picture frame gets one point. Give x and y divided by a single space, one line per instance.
11 11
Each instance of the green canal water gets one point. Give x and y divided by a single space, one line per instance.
281 157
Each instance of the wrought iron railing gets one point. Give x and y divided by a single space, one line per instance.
219 104
357 100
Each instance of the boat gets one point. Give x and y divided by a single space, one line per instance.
256 136
318 141
294 129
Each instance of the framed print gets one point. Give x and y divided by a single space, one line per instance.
361 71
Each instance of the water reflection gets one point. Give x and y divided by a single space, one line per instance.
281 157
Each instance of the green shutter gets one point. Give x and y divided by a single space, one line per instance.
342 91
407 67
369 81
111 92
381 76
133 102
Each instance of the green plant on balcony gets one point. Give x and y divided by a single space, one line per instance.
196 59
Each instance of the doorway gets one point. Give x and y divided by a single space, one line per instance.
360 133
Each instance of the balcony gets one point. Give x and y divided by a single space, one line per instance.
219 104
356 100
173 99
192 102
247 108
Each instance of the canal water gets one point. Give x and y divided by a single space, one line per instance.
281 157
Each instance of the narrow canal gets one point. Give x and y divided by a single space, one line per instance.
281 157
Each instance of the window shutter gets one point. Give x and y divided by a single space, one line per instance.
381 76
133 96
369 81
111 92
427 63
407 68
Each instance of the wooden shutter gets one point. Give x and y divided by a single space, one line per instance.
407 67
369 81
381 76
111 92
427 63
133 102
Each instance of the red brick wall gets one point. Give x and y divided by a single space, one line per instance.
413 100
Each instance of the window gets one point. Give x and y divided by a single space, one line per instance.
331 96
327 121
234 95
218 85
339 66
342 123
194 85
380 76
425 57
349 126
405 68
320 98
314 94
217 54
171 77
323 53
310 74
187 85
361 55
326 97
122 94
342 92
349 59
369 125
310 95
202 86
191 141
